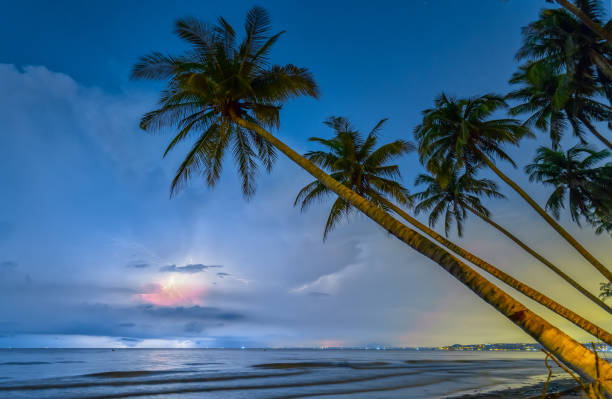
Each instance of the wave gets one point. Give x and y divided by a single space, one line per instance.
136 373
202 363
22 363
306 365
92 384
267 386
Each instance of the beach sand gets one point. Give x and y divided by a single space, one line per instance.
559 389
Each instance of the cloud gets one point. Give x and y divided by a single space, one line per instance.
223 274
194 268
193 312
7 264
138 265
329 282
128 339
173 292
194 327
317 294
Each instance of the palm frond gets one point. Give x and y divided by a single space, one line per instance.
214 82
339 209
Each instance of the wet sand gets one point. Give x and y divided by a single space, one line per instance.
559 389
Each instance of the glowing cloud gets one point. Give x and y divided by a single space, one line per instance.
175 291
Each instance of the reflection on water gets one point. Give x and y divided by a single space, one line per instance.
211 373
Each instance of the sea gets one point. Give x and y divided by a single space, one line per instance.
262 373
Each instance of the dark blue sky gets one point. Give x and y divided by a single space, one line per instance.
92 250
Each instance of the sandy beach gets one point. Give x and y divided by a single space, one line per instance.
564 388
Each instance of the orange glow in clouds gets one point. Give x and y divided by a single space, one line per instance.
175 291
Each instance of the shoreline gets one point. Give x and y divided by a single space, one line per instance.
558 389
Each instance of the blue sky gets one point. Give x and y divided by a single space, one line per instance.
93 252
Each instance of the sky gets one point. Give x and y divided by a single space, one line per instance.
95 253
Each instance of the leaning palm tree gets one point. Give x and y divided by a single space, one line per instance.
221 88
602 31
561 39
585 187
359 164
554 100
463 134
577 179
454 195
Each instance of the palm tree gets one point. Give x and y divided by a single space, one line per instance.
354 162
461 132
577 181
455 194
225 88
602 31
553 101
358 164
561 39
578 56
606 290
216 81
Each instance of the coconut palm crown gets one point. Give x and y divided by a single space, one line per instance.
452 195
554 100
217 78
564 41
357 163
461 131
577 179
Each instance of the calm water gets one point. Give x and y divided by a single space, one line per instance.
201 373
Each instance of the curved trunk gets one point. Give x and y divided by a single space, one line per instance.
545 261
586 254
570 352
594 26
524 289
596 133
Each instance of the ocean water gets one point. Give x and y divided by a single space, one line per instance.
258 373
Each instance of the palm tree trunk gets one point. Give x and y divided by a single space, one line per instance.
545 261
570 352
595 27
596 133
571 240
524 289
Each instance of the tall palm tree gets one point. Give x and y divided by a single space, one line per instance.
553 100
462 132
595 26
585 187
451 195
359 164
224 88
564 41
455 194
577 180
